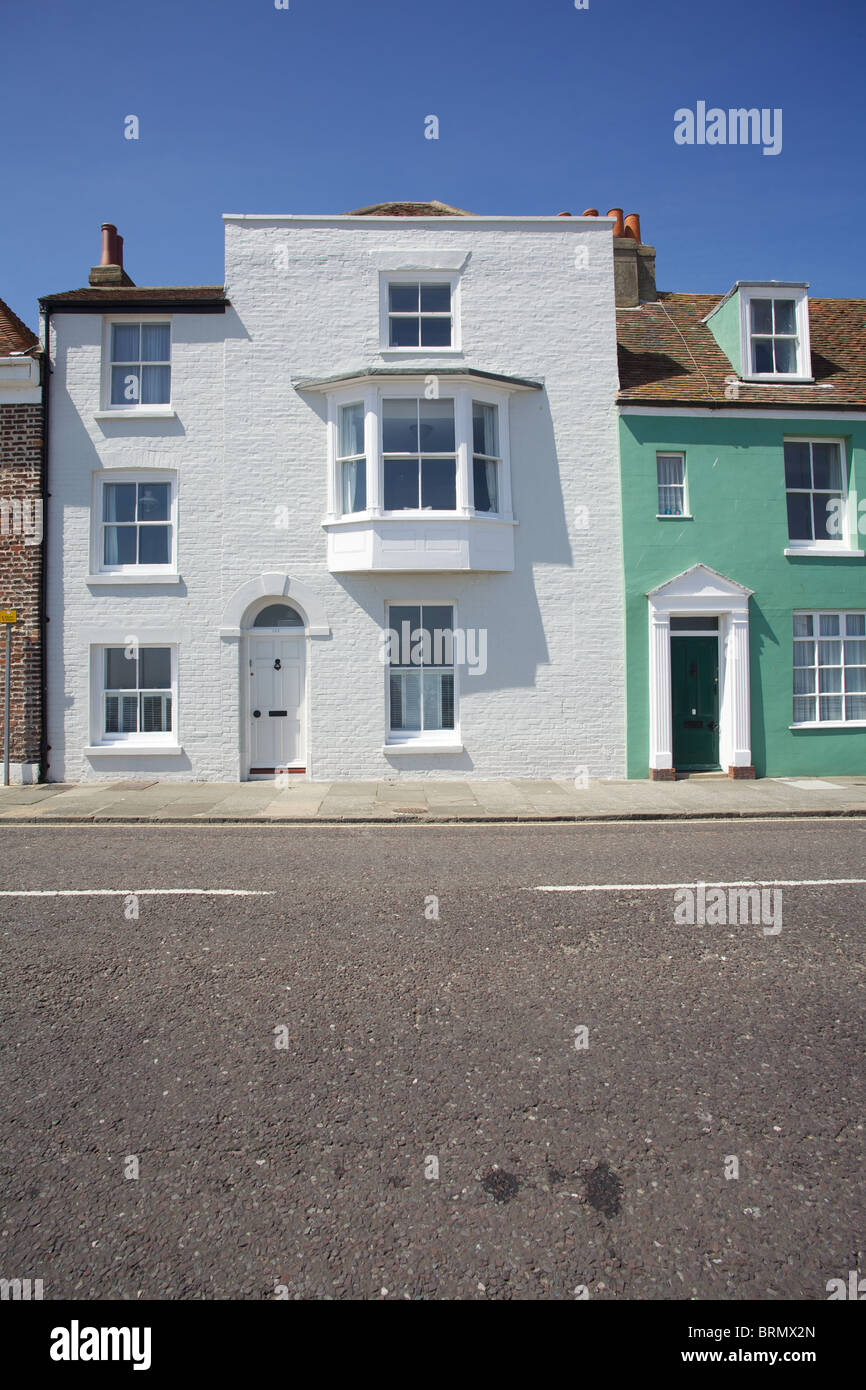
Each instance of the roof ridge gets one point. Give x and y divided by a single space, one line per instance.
18 329
389 209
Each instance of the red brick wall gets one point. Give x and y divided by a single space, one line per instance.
20 481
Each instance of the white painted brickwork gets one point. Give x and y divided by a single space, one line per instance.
305 304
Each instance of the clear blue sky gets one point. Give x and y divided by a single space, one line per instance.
542 108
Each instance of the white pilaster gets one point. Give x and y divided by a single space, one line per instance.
661 755
738 674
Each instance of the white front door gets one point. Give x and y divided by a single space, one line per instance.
275 705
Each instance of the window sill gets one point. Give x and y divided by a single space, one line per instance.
138 412
146 577
422 747
133 750
373 518
830 724
775 379
421 352
672 516
838 550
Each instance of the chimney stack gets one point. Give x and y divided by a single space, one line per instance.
110 271
634 265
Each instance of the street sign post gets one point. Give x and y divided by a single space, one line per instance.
8 617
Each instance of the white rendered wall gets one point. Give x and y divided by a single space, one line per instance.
247 446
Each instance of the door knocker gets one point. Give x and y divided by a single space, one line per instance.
278 665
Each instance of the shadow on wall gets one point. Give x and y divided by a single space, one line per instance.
762 636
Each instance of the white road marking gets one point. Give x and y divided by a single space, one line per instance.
133 892
664 887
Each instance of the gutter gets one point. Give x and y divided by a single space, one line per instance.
123 306
44 748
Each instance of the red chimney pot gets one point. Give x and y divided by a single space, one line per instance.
632 226
109 238
618 229
590 212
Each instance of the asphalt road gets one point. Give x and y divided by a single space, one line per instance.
433 1125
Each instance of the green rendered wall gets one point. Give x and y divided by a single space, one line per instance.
736 494
724 325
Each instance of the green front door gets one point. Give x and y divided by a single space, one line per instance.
695 703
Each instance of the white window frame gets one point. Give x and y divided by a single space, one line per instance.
157 742
486 458
101 573
419 277
815 614
463 395
417 399
424 740
342 459
161 410
801 311
686 513
845 543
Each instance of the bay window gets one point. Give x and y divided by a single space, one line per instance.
397 450
419 461
485 458
351 458
419 473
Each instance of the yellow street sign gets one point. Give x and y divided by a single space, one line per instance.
8 615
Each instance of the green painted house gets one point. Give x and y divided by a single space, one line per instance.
743 452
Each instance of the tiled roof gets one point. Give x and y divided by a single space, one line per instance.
15 336
139 294
434 209
667 355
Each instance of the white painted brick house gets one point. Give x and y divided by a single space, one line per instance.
390 421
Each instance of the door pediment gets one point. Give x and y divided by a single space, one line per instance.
701 582
700 590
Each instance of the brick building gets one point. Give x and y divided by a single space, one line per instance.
21 537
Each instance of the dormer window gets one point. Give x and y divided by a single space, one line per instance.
775 333
773 336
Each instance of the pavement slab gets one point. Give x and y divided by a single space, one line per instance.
519 798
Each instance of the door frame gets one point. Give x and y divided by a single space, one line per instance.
296 634
697 632
702 592
238 614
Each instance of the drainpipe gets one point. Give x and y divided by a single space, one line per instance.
43 562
